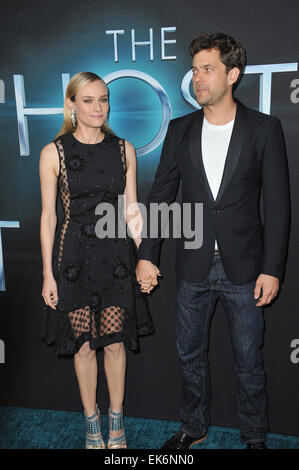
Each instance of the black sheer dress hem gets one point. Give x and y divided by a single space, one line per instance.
54 321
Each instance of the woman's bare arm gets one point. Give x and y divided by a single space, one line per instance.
134 217
133 214
48 171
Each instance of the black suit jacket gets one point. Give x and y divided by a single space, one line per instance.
256 163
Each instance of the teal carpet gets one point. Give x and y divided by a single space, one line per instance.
25 428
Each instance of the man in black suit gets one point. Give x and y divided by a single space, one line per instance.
225 155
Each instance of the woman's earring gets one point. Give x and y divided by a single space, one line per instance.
73 118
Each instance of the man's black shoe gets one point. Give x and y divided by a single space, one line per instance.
181 440
256 445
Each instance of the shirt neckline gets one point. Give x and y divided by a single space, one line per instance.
218 127
84 143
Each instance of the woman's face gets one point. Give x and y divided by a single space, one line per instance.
91 104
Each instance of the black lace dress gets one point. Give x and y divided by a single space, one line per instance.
99 298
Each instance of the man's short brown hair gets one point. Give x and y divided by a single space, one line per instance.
232 53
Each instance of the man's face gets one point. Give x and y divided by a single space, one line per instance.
211 82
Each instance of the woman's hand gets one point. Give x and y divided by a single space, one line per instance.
147 275
49 292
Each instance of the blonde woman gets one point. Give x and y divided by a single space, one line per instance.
92 297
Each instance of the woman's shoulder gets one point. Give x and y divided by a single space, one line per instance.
48 157
129 147
49 149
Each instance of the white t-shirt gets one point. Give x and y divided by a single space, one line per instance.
214 145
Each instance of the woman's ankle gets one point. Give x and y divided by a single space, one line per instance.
116 409
91 412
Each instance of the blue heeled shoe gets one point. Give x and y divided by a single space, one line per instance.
94 439
116 423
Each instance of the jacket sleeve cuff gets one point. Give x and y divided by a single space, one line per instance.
146 252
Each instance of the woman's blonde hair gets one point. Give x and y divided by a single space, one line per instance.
78 81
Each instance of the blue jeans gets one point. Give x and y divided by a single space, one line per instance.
195 306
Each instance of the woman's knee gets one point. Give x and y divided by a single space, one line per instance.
85 350
114 348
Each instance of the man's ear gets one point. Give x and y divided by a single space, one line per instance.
233 75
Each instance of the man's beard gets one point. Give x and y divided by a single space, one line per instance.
210 100
205 101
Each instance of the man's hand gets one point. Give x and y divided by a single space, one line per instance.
146 274
269 285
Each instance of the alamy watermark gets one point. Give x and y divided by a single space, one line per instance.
2 91
151 221
2 352
295 93
295 353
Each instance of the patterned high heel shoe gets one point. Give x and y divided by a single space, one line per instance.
94 439
116 423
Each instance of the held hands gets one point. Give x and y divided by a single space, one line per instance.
147 275
266 288
49 292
